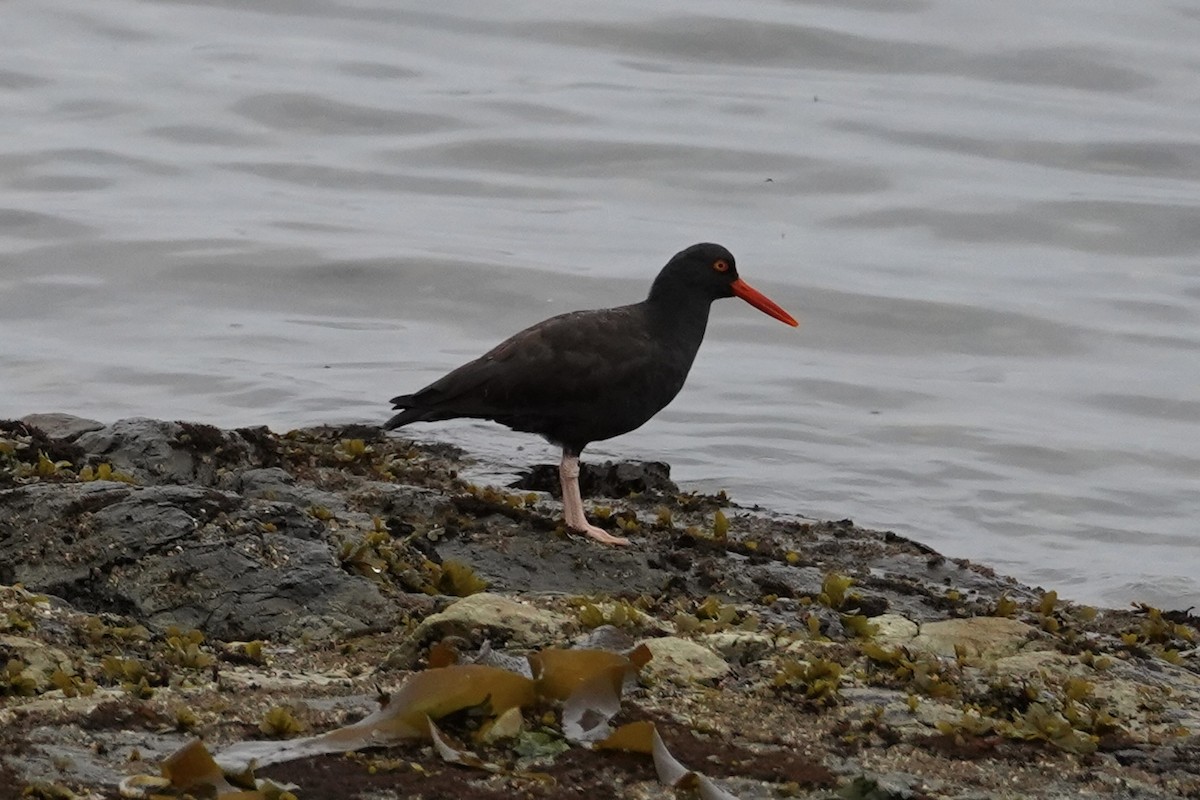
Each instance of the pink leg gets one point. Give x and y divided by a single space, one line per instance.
568 472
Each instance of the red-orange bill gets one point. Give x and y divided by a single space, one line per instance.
760 301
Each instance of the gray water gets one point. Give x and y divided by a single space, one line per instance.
984 214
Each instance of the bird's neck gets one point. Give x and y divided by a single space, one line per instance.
679 316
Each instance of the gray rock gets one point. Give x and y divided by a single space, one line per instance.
158 451
183 555
683 661
144 448
483 617
57 753
989 637
276 484
547 563
610 479
62 426
249 535
782 579
893 629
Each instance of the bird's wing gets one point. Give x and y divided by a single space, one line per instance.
563 359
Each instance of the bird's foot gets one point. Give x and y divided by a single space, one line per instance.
573 503
599 534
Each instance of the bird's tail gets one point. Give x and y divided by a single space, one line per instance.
406 416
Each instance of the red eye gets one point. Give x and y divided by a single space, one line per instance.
721 265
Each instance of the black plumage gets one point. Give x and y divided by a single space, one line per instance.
586 376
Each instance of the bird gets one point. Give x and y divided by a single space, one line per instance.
586 376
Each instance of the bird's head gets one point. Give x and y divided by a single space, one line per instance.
711 271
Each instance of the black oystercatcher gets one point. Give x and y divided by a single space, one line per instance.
591 375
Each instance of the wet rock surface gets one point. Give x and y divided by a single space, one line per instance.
611 479
167 579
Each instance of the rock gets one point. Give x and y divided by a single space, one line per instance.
503 619
62 426
36 661
143 448
331 540
740 647
271 680
544 562
892 630
1032 662
157 451
785 580
53 537
56 703
606 637
269 483
683 661
24 444
483 617
277 485
184 556
56 752
912 578
507 726
987 637
610 479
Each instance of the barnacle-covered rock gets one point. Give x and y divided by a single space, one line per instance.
989 637
683 661
182 581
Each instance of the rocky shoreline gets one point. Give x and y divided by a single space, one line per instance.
164 581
